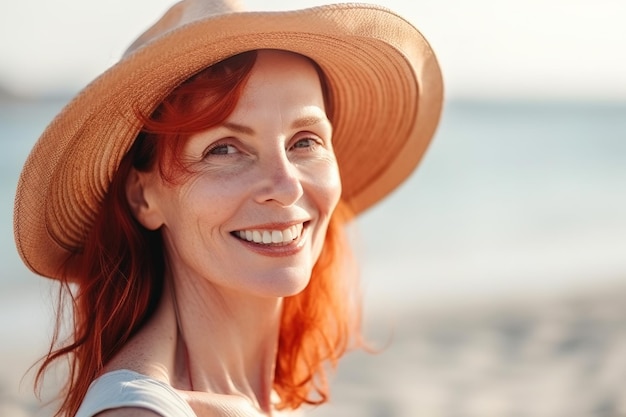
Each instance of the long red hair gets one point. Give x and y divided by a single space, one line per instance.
120 271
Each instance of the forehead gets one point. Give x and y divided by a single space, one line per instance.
274 69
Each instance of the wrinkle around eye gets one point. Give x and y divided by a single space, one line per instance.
221 149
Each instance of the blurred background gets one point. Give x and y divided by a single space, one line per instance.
494 279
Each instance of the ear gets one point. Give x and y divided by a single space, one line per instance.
144 208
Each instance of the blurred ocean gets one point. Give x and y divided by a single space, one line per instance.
511 197
478 265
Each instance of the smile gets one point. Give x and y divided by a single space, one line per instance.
271 237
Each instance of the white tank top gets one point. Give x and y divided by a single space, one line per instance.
124 388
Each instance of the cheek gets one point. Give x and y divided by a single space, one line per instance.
334 193
327 188
196 212
327 195
210 196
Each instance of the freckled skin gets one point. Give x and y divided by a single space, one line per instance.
271 162
271 165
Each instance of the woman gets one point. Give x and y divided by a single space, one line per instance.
191 204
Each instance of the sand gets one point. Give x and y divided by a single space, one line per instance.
525 356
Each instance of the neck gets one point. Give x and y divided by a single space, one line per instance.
226 341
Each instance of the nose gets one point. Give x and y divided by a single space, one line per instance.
279 181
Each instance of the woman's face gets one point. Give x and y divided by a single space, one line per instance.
253 216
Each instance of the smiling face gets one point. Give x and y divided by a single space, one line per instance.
253 214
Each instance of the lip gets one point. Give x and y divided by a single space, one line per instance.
282 250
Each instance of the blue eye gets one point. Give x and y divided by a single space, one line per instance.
222 149
305 143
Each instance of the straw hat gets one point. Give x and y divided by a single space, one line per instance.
383 76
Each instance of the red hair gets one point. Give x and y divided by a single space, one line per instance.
121 267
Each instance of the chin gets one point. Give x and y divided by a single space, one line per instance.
285 285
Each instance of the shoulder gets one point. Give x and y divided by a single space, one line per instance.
125 393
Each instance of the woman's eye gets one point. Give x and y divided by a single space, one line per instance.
305 143
222 149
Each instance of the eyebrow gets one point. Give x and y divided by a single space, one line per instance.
307 121
297 124
239 128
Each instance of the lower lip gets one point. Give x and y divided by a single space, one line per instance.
278 251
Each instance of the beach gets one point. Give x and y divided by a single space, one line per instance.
494 280
547 357
551 356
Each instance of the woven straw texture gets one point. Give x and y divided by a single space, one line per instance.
385 84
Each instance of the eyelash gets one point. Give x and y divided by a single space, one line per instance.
312 143
218 145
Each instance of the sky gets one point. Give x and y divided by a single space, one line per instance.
547 49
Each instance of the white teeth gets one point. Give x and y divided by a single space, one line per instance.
271 236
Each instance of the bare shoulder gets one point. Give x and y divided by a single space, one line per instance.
128 412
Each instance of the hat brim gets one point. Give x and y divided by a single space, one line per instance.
384 79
